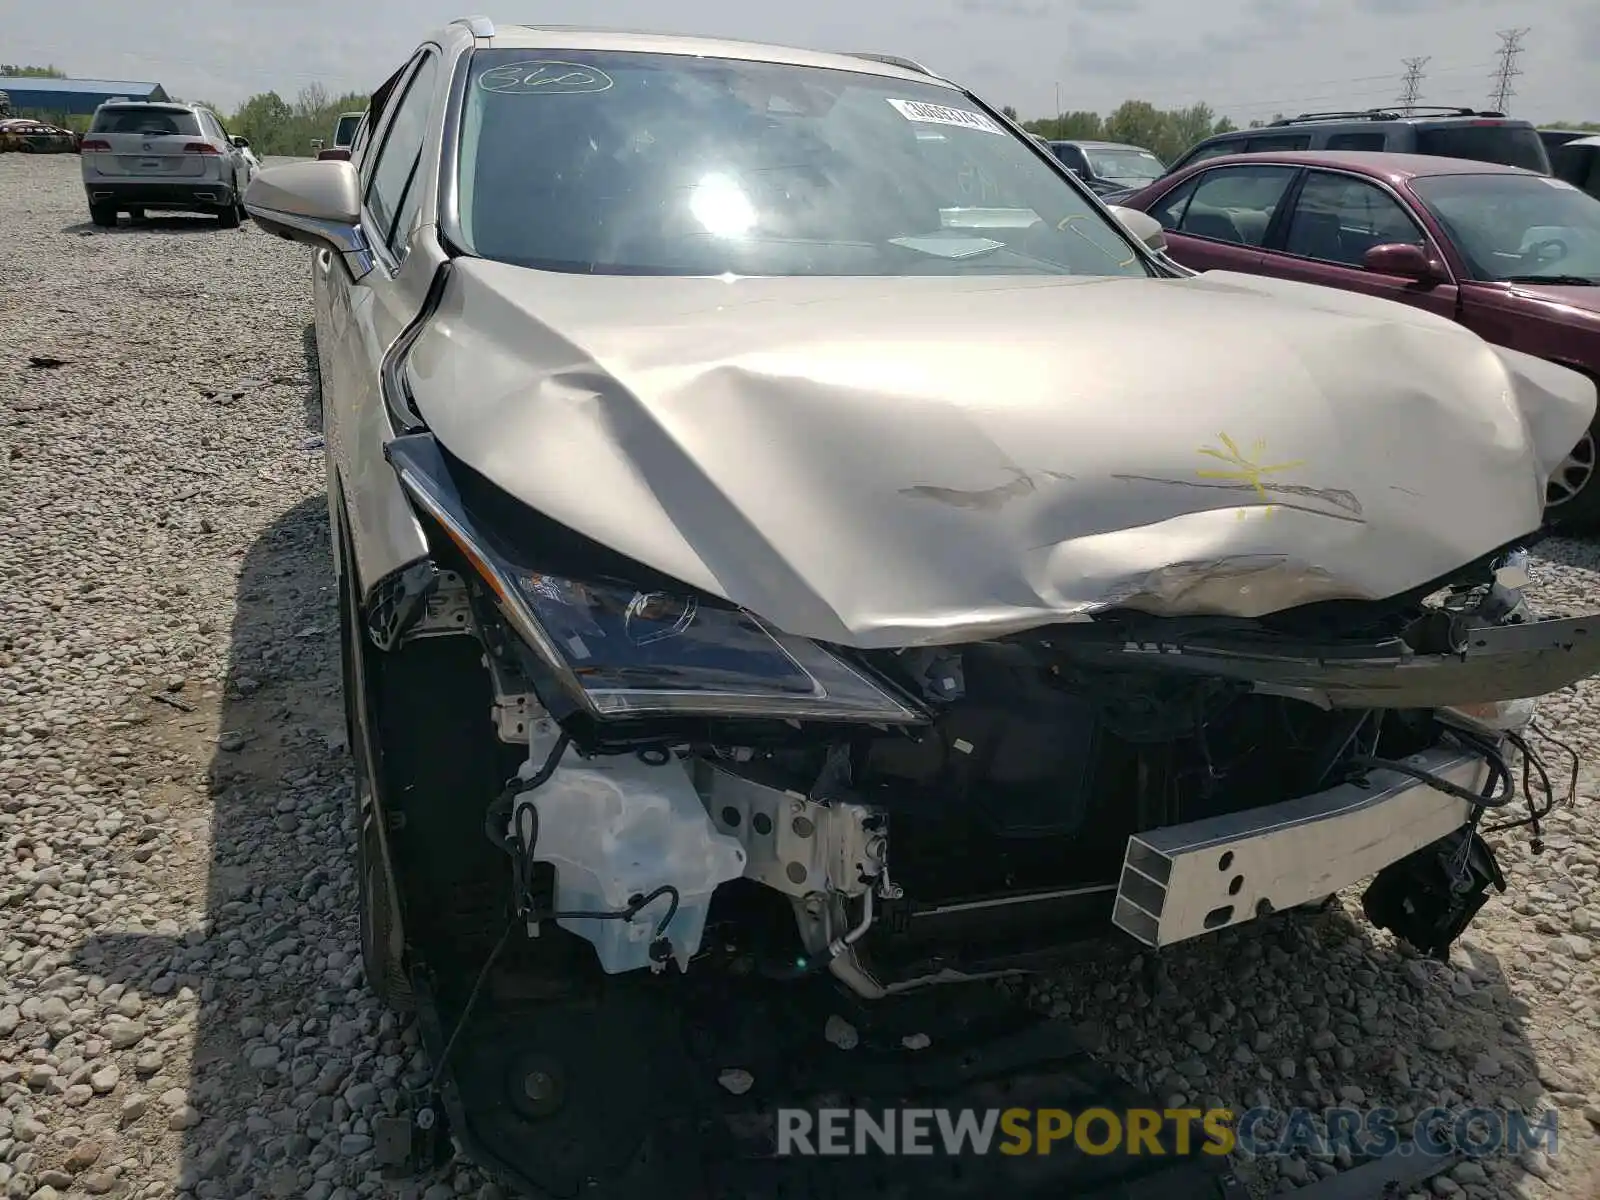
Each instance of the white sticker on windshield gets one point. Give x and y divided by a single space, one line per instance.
939 114
1560 183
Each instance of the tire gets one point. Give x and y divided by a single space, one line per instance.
385 971
136 215
1572 498
103 215
228 215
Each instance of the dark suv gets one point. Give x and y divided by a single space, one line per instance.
1446 132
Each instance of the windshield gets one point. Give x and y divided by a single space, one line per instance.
628 163
1517 227
148 120
1130 167
1513 145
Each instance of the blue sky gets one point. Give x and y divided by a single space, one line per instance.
1248 58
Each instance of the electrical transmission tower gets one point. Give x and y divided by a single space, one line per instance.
1411 85
1510 47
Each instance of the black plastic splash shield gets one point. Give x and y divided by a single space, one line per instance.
615 1095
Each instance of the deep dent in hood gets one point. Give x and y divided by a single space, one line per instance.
886 462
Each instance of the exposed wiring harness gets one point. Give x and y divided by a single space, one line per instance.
1498 790
516 831
1531 766
519 843
526 837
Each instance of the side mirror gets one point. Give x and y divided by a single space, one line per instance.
318 204
334 154
1402 259
242 143
1143 226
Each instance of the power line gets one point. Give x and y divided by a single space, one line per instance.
1510 47
1381 88
1411 85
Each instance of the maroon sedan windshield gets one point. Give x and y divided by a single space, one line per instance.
1527 228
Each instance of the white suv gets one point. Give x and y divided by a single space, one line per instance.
139 156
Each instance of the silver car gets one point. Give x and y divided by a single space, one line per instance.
140 157
786 525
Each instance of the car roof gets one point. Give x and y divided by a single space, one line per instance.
580 37
1095 144
1379 117
121 102
1592 139
1377 163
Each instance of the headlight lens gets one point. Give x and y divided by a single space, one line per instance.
639 652
622 652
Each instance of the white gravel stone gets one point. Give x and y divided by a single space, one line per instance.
841 1033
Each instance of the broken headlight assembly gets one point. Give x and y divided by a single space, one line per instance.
619 651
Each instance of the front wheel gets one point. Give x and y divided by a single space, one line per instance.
228 215
1572 495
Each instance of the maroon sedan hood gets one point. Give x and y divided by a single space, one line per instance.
1585 299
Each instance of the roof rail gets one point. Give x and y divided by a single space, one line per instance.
1364 114
1450 111
1387 114
892 60
481 27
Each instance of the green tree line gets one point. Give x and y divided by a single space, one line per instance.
278 126
1166 132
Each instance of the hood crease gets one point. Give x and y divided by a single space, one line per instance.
904 461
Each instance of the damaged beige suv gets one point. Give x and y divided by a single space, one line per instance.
767 546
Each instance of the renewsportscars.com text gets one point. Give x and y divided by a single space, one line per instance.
1255 1133
913 1131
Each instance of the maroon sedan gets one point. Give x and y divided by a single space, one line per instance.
1512 255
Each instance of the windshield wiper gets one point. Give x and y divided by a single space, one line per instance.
1558 280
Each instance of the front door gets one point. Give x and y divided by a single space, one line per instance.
1333 220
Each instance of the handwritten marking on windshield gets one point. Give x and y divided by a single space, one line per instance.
544 77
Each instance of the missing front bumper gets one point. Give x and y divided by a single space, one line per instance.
1186 880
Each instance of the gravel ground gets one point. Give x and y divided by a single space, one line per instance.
181 1002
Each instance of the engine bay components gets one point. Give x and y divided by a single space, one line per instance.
795 845
1429 897
635 855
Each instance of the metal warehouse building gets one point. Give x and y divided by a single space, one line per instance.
72 96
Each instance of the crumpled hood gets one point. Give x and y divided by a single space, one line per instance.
885 462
